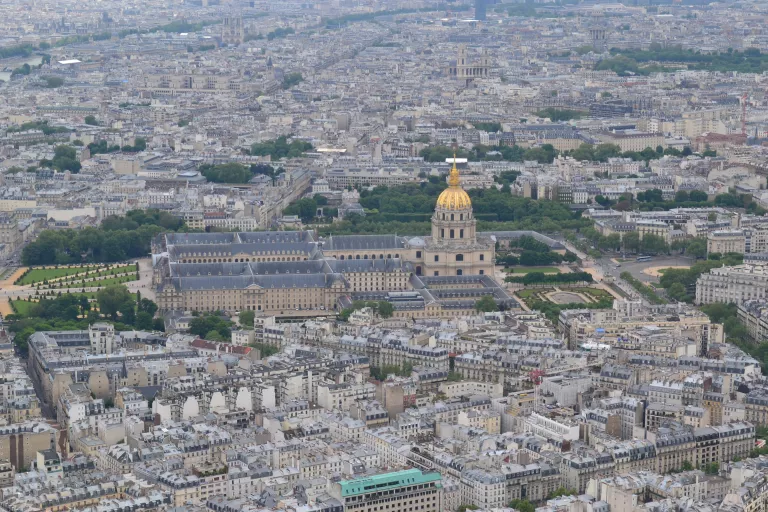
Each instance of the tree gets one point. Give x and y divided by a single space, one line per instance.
385 309
52 82
146 305
91 120
128 311
158 324
697 248
486 304
112 298
698 196
677 292
522 505
144 321
246 318
631 241
653 244
213 335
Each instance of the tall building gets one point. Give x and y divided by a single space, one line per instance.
280 273
454 248
733 284
480 10
464 69
232 31
399 490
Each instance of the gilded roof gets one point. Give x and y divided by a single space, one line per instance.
454 197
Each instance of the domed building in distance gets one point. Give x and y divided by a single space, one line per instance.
454 249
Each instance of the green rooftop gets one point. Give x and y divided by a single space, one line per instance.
387 481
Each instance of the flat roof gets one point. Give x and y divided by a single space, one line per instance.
384 481
70 61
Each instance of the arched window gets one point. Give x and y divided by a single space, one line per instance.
342 257
365 257
459 257
357 257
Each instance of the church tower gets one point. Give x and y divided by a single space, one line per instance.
454 248
453 223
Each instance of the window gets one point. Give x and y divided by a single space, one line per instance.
437 273
418 254
482 257
459 257
437 258
461 233
461 216
451 233
459 272
451 216
482 272
442 233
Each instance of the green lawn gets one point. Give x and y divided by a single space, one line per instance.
592 292
101 273
528 293
21 306
99 282
526 270
38 275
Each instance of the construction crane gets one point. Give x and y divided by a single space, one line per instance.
744 114
536 376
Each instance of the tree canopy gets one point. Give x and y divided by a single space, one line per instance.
118 239
281 148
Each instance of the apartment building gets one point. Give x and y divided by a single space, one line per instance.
410 489
733 284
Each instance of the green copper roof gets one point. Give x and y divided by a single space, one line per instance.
386 481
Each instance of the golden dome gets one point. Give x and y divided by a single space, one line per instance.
454 197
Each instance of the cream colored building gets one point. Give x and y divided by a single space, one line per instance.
733 284
633 141
292 273
724 241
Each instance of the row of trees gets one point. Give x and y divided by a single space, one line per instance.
212 327
643 289
751 60
534 253
561 114
680 283
73 311
117 239
382 373
407 210
632 243
43 126
544 154
281 148
307 208
382 308
542 278
64 159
